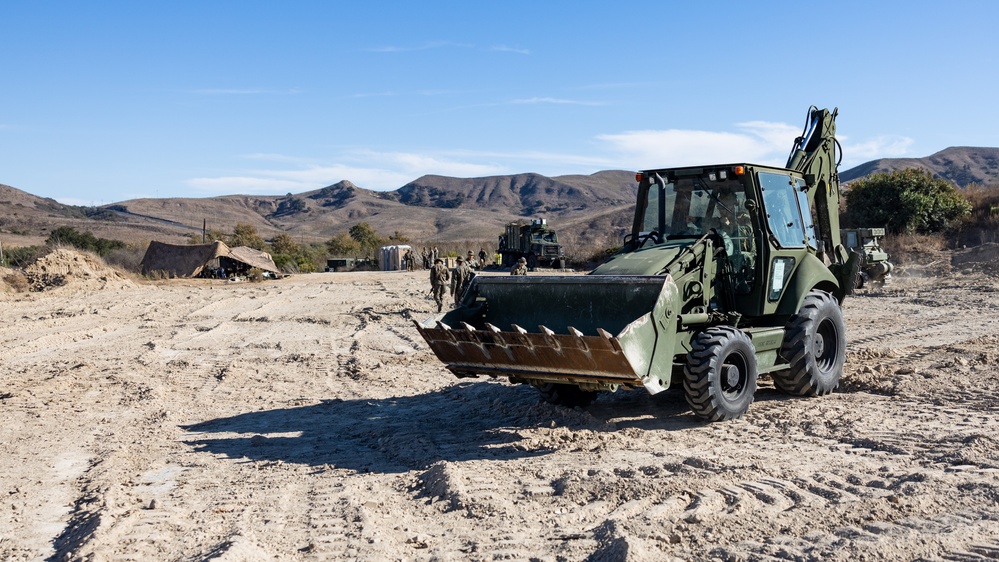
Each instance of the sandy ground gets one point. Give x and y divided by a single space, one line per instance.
306 419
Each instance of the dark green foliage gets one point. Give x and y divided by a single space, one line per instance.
333 196
342 245
245 235
290 206
366 236
68 236
284 244
23 256
982 225
282 261
905 201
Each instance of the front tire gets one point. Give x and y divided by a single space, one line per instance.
815 347
568 395
720 376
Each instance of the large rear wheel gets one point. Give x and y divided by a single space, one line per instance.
720 376
815 346
568 395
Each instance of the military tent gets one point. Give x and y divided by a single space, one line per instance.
190 260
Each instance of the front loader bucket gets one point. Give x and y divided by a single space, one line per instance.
596 331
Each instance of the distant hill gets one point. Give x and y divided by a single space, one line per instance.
960 165
431 208
586 210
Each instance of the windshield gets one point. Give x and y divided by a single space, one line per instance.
690 207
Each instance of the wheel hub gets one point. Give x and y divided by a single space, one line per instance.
731 377
820 344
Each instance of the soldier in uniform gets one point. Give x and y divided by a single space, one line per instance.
439 277
460 278
519 268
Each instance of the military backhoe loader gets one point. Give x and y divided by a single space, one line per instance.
730 272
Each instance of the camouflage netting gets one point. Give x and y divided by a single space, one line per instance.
75 269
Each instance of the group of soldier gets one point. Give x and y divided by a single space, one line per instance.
429 256
458 279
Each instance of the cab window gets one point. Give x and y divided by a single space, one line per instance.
781 204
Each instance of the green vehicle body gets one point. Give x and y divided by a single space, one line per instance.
730 272
535 242
875 269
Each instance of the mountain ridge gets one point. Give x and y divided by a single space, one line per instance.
585 209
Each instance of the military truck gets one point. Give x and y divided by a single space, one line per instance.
535 242
730 272
875 269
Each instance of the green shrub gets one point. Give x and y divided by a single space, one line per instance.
905 201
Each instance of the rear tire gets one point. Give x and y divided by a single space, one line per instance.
862 279
568 395
815 347
719 379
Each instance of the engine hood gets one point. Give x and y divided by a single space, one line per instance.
647 261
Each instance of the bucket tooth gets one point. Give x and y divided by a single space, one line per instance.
518 329
549 335
580 339
610 338
468 326
442 326
491 328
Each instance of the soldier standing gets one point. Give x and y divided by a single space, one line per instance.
460 278
439 277
520 268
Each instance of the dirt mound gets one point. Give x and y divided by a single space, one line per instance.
984 258
63 268
10 281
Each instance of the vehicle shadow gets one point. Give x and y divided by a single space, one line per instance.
462 422
465 421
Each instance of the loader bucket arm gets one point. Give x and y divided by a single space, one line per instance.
594 331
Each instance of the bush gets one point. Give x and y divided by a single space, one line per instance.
128 258
905 201
982 225
24 256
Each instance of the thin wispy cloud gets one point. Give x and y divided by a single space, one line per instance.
420 93
432 45
886 146
760 142
367 168
422 47
554 101
508 49
271 157
244 91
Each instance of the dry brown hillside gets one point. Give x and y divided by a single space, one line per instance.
430 208
960 165
588 210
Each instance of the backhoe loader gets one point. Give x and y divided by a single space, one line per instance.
730 272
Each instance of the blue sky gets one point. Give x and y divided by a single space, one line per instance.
106 101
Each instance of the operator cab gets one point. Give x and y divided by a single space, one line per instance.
679 206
